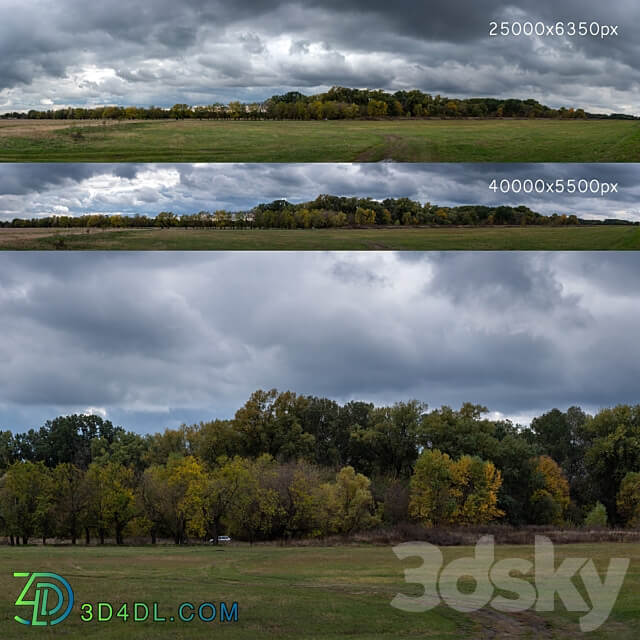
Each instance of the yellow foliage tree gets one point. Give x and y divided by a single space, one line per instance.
431 501
628 499
348 502
365 216
475 491
446 491
551 500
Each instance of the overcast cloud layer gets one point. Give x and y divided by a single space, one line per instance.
151 340
71 52
33 190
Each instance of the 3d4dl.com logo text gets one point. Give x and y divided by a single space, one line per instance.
46 594
50 598
442 583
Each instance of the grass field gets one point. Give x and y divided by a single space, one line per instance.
418 239
290 592
330 141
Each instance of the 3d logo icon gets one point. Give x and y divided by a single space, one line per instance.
47 594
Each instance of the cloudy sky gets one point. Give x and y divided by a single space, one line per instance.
73 52
151 339
31 190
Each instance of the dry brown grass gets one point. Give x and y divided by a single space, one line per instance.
16 238
39 128
504 534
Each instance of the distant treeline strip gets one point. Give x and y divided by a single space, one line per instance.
326 211
339 103
293 466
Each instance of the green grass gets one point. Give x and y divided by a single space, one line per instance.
418 239
286 593
330 141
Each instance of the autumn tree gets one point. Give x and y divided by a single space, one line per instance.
475 486
365 216
431 500
186 481
628 499
560 435
550 501
299 500
377 108
255 505
348 502
223 486
446 491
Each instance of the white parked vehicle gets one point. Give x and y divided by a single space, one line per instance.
221 540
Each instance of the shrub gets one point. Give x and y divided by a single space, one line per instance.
597 517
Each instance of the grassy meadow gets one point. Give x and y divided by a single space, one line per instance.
376 239
321 141
290 592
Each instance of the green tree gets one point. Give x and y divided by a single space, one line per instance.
212 440
69 500
111 499
25 500
180 111
559 435
166 219
612 441
270 422
169 443
391 437
8 450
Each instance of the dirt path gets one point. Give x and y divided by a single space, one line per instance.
494 624
394 150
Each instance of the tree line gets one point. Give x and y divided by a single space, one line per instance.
291 466
326 211
339 103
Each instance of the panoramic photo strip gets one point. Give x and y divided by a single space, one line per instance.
284 437
295 81
319 206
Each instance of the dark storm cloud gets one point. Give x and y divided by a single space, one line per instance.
28 190
20 179
152 341
71 52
